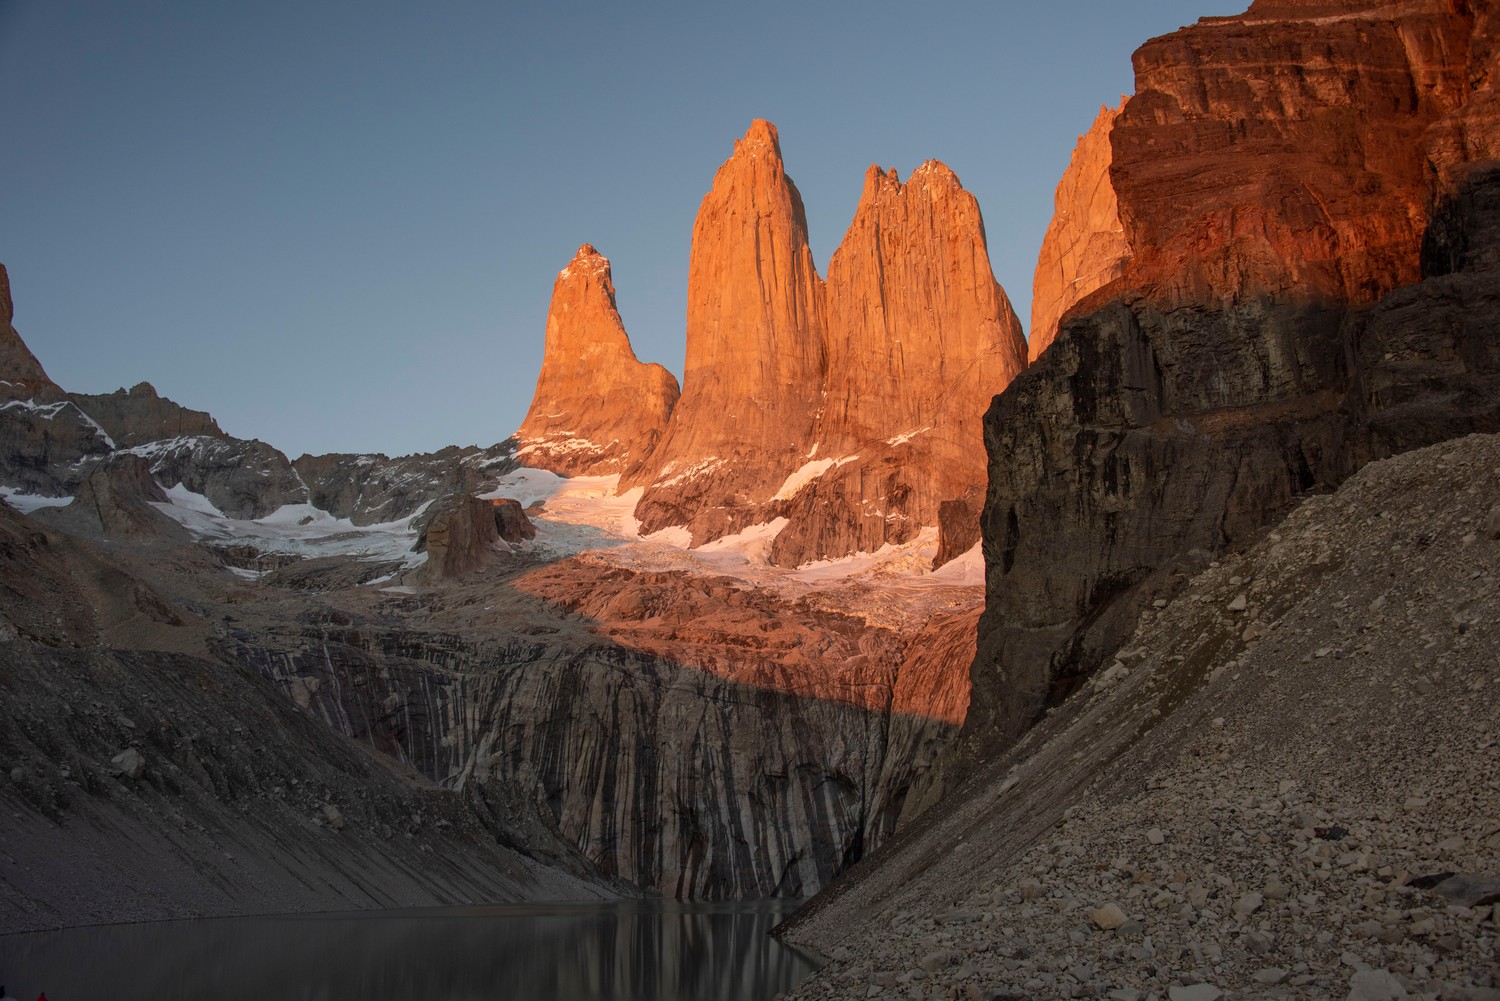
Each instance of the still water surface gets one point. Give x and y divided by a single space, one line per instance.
625 951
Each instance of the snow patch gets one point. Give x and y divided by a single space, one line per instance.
27 503
810 471
902 439
966 570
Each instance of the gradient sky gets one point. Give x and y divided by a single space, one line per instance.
335 225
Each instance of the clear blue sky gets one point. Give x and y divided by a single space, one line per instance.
335 225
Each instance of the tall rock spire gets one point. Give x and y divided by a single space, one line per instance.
597 409
753 376
920 338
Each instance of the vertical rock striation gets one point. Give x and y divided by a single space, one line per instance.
920 337
753 378
597 410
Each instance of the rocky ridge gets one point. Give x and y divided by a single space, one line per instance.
1264 796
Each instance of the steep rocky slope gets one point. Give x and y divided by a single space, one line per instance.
596 410
1275 173
1265 793
146 776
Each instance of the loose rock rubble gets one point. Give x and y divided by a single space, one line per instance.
1309 809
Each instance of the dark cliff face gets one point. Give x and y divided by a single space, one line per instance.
141 415
1282 321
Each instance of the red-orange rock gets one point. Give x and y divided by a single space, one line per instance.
1085 247
21 375
920 338
1285 149
597 410
753 378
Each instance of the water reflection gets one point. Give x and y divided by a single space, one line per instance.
631 950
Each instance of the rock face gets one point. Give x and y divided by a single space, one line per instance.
851 410
21 375
1269 335
694 735
1286 151
115 500
142 415
753 377
597 410
920 336
1084 249
464 533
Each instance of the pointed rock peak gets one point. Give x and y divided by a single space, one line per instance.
878 179
760 135
21 375
597 408
588 262
935 173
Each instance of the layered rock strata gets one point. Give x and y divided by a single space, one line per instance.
596 410
1275 174
691 734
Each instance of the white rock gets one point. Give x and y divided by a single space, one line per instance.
334 816
1239 603
129 763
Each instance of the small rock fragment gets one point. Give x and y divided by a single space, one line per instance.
1108 916
129 763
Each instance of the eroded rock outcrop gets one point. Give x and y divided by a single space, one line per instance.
597 410
753 378
1085 248
115 500
142 415
1275 173
920 337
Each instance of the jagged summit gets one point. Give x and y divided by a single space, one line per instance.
597 408
920 337
850 409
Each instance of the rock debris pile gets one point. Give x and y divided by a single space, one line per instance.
1288 783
